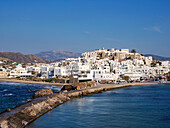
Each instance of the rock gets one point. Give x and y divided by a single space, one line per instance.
9 109
24 122
105 89
65 91
56 91
30 90
59 92
79 86
84 93
27 101
4 124
92 82
103 82
67 87
42 92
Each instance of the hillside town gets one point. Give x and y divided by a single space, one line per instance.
111 65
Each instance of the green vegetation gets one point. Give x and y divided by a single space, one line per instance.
133 51
113 58
88 84
153 64
127 78
47 80
167 75
160 63
144 62
59 65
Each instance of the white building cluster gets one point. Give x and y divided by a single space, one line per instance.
106 64
101 64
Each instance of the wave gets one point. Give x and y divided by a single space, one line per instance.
10 94
53 87
5 90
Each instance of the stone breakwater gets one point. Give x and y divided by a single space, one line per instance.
22 115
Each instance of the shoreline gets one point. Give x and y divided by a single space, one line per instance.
24 114
30 82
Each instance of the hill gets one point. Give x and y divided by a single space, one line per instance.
4 59
20 58
57 54
160 58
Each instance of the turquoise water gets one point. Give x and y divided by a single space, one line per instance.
13 94
146 106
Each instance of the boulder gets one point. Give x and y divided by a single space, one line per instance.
42 92
103 82
65 91
30 90
79 86
92 82
67 87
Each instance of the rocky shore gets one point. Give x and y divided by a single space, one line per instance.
22 115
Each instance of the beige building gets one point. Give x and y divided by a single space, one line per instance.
3 74
124 50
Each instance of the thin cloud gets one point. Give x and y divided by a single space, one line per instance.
154 28
87 32
112 39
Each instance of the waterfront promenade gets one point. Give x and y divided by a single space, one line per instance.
32 82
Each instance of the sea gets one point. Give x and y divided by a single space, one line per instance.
13 94
146 106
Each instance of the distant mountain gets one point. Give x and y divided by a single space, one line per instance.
57 54
160 58
5 59
20 58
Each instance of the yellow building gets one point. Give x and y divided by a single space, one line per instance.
3 74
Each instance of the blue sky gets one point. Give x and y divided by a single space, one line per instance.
31 26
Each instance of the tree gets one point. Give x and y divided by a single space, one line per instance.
144 62
158 62
113 58
127 78
153 64
133 51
